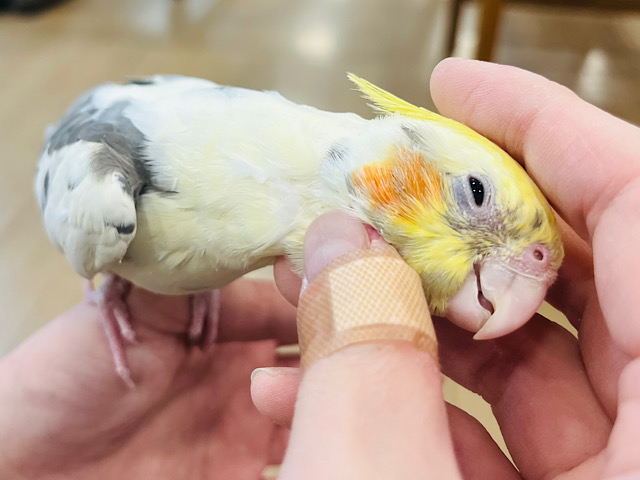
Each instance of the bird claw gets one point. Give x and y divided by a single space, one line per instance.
205 313
110 299
126 329
125 374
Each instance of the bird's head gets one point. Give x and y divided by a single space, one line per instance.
462 213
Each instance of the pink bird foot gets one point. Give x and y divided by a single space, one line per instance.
111 300
205 315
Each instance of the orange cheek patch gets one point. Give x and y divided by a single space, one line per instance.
396 186
377 181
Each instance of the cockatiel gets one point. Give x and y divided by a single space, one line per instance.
180 186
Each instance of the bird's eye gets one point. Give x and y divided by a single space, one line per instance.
475 194
477 189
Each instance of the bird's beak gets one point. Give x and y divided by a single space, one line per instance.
496 299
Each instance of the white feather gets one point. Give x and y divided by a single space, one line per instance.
77 219
243 165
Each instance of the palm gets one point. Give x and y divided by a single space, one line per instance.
83 419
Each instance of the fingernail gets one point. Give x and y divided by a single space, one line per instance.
374 237
329 237
274 371
258 371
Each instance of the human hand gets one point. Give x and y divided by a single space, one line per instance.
567 407
369 410
66 415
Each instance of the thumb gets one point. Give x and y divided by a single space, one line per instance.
368 407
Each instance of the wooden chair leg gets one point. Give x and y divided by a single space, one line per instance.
489 21
454 17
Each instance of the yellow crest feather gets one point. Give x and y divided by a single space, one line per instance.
387 103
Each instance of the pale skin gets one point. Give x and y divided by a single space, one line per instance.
567 408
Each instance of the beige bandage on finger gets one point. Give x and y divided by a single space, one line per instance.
363 296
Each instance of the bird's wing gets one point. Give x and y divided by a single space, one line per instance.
93 168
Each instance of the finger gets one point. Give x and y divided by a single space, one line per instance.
569 293
255 310
347 423
623 461
330 237
274 392
287 281
371 411
584 159
249 310
534 379
579 155
478 455
617 269
603 360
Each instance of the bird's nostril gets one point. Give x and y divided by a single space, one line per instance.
538 254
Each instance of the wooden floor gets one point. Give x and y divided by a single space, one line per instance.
302 49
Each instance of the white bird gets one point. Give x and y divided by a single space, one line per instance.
180 186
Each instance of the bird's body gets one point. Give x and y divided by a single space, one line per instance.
181 185
230 179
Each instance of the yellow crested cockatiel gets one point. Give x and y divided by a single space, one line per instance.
180 186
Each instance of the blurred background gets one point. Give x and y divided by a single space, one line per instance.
48 56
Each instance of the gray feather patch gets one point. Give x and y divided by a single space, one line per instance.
109 126
414 136
123 144
141 81
46 192
336 153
